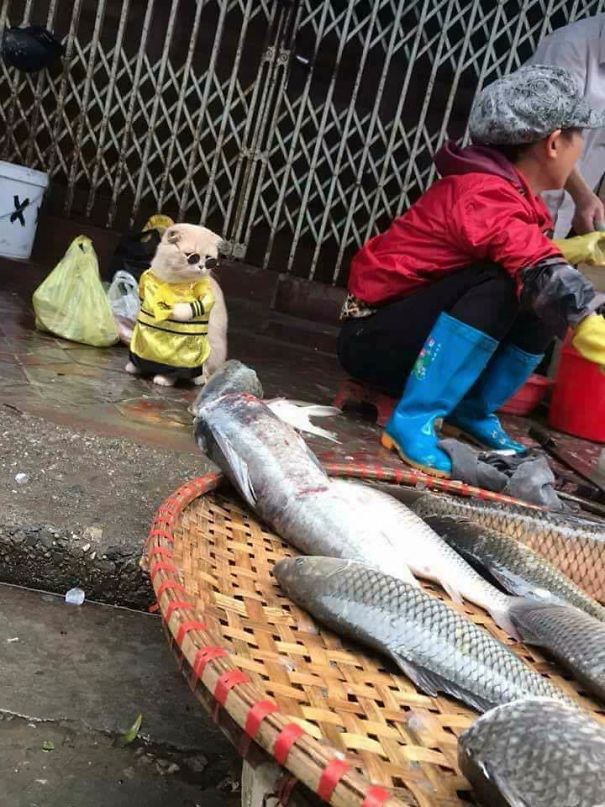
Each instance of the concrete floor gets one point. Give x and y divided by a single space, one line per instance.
73 681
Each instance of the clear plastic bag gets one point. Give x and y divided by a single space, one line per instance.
123 296
72 303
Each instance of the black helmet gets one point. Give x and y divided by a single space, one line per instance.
30 49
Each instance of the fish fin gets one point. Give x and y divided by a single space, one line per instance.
413 581
504 788
501 616
403 572
319 411
431 683
452 592
238 467
298 417
514 583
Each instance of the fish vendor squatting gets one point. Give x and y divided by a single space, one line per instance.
464 292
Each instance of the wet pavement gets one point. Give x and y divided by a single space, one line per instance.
74 679
86 388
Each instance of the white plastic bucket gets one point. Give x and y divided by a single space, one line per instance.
21 193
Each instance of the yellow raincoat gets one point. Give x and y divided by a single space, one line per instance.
160 343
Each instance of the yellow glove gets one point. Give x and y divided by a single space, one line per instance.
589 338
589 248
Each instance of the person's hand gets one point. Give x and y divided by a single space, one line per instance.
590 213
182 312
589 338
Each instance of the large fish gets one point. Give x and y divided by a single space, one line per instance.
575 546
282 481
515 566
571 636
535 753
437 648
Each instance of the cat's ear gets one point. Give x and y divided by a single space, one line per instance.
172 235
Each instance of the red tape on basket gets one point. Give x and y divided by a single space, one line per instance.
161 566
375 797
160 532
174 605
164 551
285 740
256 715
226 682
186 627
169 584
330 777
205 655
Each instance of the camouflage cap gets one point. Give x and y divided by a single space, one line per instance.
529 104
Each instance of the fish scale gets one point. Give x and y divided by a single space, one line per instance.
519 569
535 753
439 649
576 639
575 546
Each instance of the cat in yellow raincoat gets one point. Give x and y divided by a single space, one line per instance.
170 339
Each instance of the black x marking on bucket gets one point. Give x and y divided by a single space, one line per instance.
19 208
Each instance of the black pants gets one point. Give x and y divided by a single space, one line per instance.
381 349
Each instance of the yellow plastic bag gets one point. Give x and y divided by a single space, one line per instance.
72 303
589 248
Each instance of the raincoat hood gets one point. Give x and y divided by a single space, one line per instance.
452 160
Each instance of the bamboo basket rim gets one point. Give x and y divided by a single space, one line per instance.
325 769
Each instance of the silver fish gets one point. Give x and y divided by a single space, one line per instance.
571 636
438 649
574 545
282 481
430 557
535 753
516 567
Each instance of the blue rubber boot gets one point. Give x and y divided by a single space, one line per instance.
474 416
453 357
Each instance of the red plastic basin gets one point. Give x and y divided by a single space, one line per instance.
528 397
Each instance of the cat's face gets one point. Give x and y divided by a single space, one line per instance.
185 254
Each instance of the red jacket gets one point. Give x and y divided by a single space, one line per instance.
481 210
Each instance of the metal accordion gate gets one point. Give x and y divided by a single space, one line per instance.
295 128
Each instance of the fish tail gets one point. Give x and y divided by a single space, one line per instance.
501 614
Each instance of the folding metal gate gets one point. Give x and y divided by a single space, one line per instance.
296 128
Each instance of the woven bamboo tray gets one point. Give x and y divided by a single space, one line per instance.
343 722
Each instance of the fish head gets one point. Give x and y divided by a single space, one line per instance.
232 377
300 576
